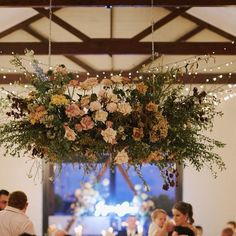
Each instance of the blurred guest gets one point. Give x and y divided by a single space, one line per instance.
183 218
3 198
160 226
199 230
13 220
227 232
131 228
232 225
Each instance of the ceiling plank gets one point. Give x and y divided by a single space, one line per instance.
102 3
63 24
120 46
186 79
159 24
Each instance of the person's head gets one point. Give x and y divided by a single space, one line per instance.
131 222
159 216
3 198
227 232
182 213
18 199
199 230
232 225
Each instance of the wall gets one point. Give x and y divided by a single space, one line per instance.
213 199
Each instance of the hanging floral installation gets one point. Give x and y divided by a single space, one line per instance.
131 122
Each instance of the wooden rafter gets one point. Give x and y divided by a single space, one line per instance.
207 25
64 24
223 78
190 34
23 24
121 46
159 24
69 3
70 57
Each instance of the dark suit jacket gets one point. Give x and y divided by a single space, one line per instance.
123 232
184 231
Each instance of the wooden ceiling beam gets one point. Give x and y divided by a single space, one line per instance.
206 25
190 34
186 79
23 24
70 57
102 3
120 46
63 24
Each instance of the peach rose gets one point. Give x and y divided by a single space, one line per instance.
69 133
109 135
121 157
73 110
95 106
87 123
124 108
101 116
111 107
78 127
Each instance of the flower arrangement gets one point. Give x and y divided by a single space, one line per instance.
131 122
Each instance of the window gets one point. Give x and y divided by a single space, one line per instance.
113 187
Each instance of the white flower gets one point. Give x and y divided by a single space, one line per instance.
124 108
101 116
121 157
109 135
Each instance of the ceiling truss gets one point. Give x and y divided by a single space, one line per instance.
113 46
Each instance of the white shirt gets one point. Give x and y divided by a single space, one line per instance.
14 222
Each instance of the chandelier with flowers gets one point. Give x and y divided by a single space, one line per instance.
118 120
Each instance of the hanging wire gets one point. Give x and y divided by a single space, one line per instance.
153 44
50 34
